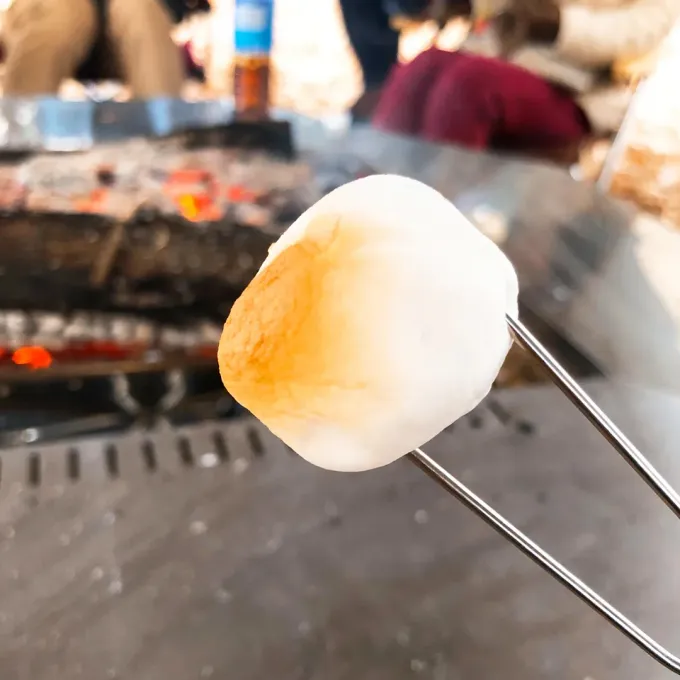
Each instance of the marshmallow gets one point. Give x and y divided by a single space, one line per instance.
377 319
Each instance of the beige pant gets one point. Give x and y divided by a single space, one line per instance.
46 41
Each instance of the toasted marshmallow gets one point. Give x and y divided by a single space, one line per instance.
377 319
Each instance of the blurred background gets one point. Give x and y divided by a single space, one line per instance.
150 528
314 68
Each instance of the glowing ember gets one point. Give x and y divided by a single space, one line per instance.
198 207
94 202
189 176
35 357
239 194
188 205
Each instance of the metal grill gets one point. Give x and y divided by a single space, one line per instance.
169 448
212 551
163 450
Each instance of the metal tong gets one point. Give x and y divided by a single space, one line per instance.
625 448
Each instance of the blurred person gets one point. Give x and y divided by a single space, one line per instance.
376 45
49 41
538 77
372 32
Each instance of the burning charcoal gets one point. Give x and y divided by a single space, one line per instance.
17 323
3 323
49 328
144 333
267 198
123 330
253 215
209 333
78 329
146 214
99 328
172 338
106 175
50 323
286 211
12 196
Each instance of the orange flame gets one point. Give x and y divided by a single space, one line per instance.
198 207
239 194
188 205
35 357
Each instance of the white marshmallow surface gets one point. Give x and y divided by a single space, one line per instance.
378 318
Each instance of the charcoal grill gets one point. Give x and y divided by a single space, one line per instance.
64 374
111 311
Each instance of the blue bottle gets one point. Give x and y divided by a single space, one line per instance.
253 23
253 33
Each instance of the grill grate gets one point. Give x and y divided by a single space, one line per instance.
207 445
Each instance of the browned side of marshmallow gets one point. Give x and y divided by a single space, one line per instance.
296 342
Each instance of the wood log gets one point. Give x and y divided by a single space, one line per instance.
160 263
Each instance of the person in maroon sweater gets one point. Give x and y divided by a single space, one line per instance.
375 40
536 78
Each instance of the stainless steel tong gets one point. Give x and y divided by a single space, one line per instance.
626 449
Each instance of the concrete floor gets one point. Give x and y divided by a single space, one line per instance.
243 562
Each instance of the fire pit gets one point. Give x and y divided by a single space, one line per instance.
120 265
